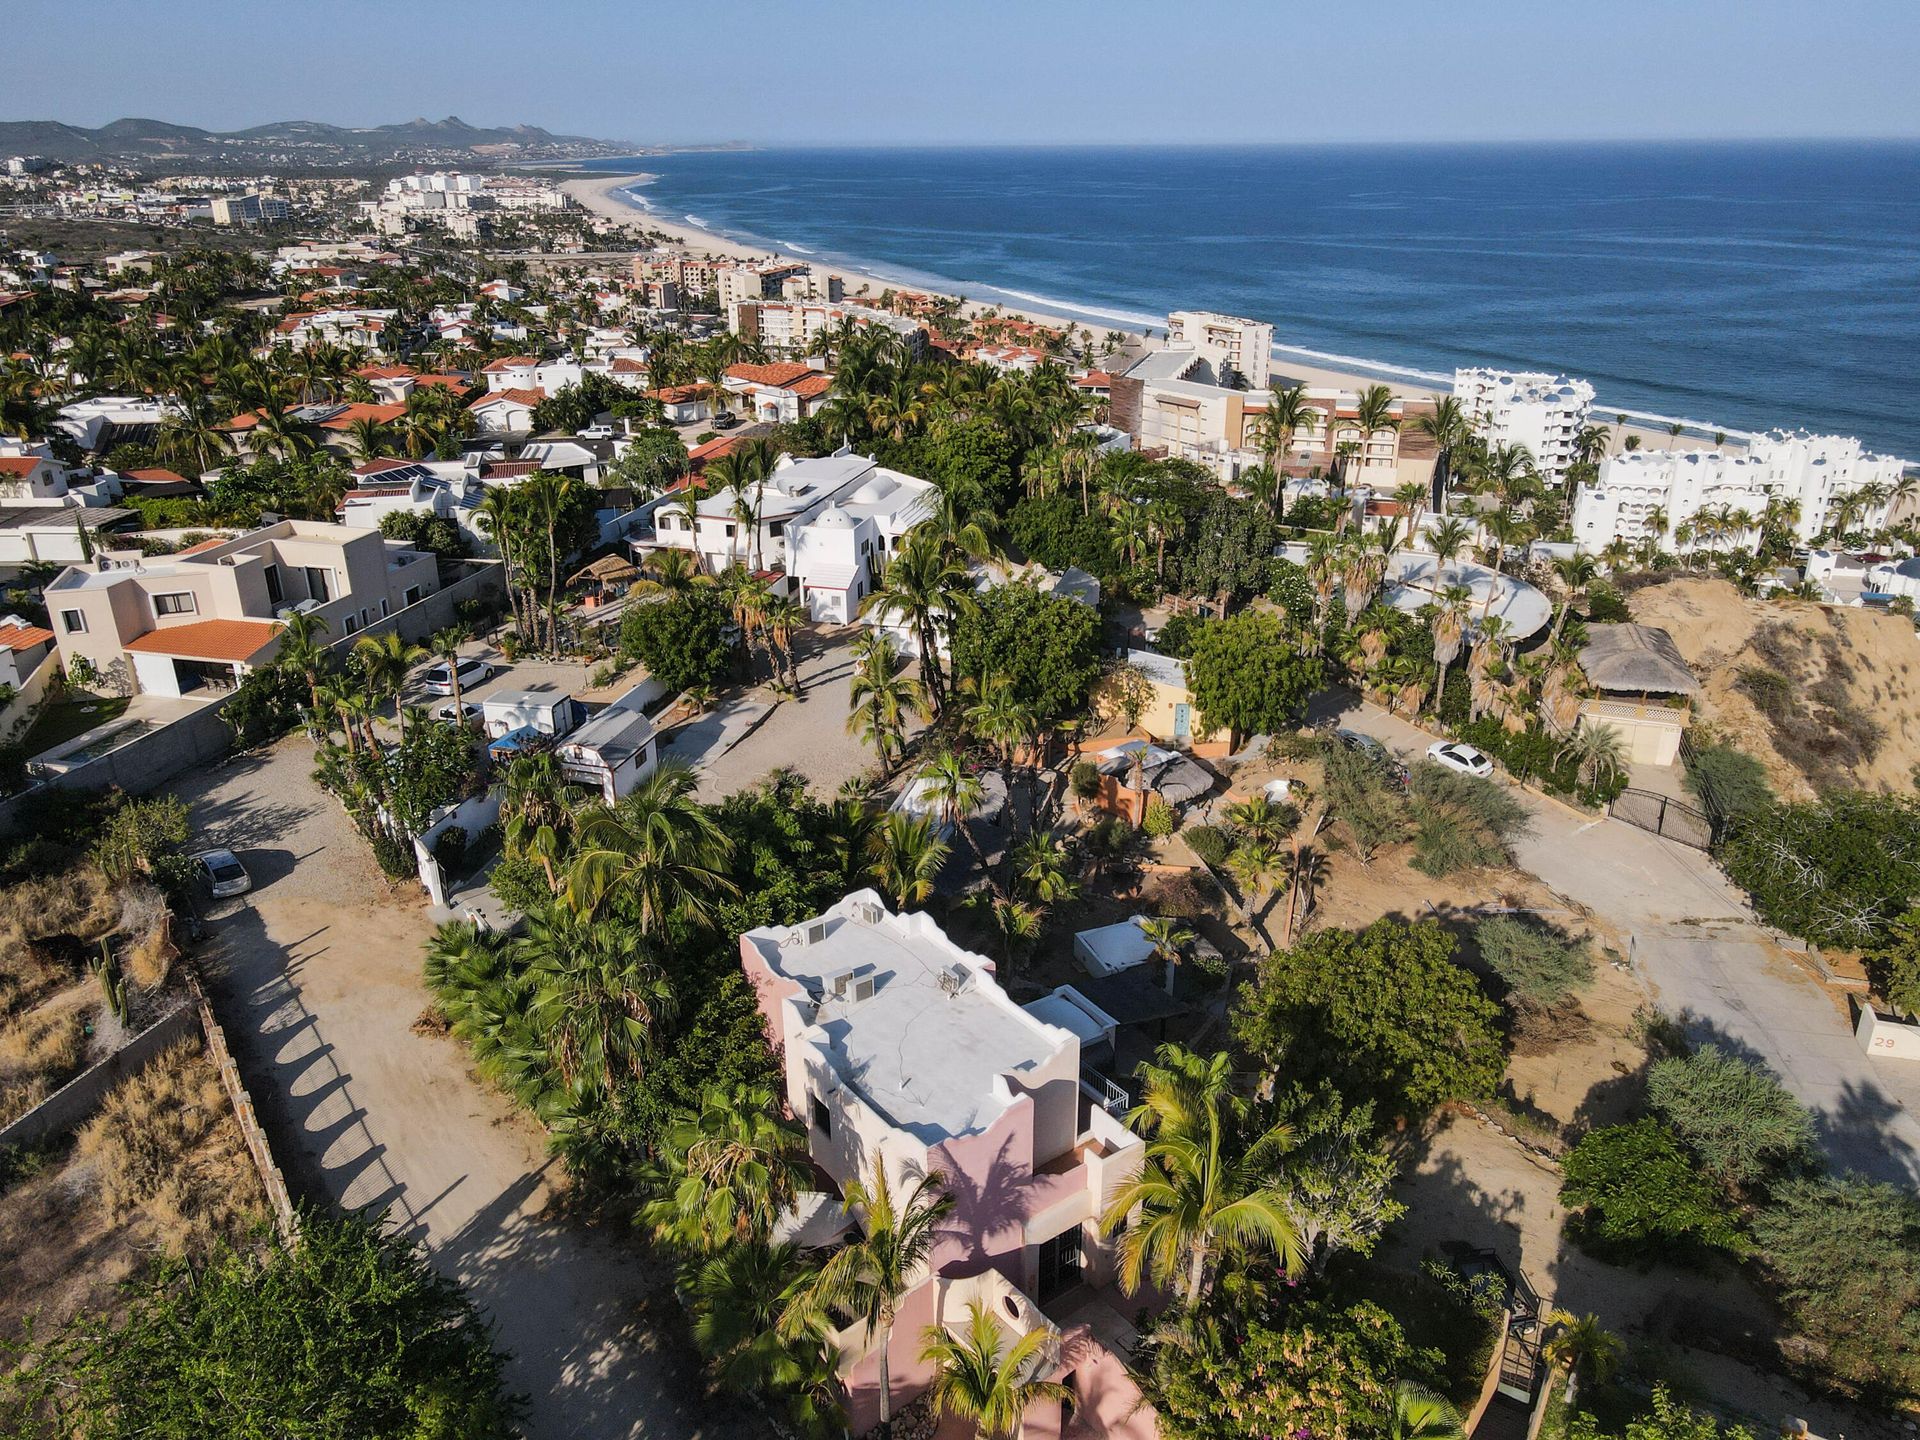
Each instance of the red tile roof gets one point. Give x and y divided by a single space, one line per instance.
379 467
779 375
208 640
204 545
23 637
20 464
627 365
508 362
384 372
157 477
679 394
451 382
381 414
814 384
528 398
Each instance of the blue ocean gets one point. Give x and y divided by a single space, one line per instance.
1737 286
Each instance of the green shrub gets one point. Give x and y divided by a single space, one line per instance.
450 850
1160 820
1637 1191
1176 637
1085 779
1460 821
1729 784
1540 967
1733 1114
1209 843
1605 607
395 859
1837 871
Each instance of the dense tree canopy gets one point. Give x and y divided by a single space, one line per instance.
1837 871
1637 1190
1384 1012
1249 676
348 1336
1047 646
682 640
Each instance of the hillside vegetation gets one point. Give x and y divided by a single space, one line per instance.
1824 698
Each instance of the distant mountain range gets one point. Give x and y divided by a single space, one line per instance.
294 144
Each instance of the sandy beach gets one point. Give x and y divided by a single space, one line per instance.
598 194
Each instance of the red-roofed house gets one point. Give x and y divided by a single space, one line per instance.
32 477
22 648
506 412
779 393
684 404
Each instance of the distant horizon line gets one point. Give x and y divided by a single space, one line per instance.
737 145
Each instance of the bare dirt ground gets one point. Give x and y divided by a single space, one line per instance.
317 979
1842 665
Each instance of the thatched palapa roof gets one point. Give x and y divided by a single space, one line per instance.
1636 660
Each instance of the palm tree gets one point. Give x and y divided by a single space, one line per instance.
1419 1414
1286 414
923 587
369 438
500 514
1599 752
1306 873
1450 611
979 1378
1584 1346
1446 426
1040 866
384 662
1258 818
954 792
1374 413
445 645
658 846
870 1276
301 649
755 1321
596 997
1449 541
1169 939
536 813
1201 1196
727 1172
1255 863
907 856
881 696
1575 572
1000 718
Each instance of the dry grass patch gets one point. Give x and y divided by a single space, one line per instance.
164 1143
41 1050
36 917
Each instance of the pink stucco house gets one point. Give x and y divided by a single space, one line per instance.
901 1048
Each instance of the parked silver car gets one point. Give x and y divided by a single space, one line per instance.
223 873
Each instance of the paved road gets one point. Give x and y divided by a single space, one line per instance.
317 978
1706 959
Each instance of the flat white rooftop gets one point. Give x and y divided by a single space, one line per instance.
924 1047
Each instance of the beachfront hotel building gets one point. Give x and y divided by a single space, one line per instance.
1542 413
789 327
1171 403
902 1052
1240 352
1638 488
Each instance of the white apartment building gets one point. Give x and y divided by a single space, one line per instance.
30 474
1542 413
1637 487
789 327
1166 402
524 372
1230 345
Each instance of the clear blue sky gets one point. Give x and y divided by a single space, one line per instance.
987 71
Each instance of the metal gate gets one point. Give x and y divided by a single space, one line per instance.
1663 815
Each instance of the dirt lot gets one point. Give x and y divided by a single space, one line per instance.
63 1247
1845 672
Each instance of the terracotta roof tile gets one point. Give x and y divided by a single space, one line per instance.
208 640
20 464
23 637
782 376
517 397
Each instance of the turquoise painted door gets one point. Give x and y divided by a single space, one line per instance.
1182 721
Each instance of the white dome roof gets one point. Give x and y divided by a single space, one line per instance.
834 518
874 489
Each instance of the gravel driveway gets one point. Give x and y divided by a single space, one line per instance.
317 979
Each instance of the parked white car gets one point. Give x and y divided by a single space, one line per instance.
223 873
467 712
438 679
1464 758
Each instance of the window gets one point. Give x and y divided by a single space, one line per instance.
352 624
822 1120
180 604
319 583
276 594
74 622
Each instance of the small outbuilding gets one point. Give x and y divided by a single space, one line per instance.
545 712
1645 686
612 752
